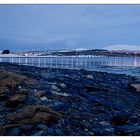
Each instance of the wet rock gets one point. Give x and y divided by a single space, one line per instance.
124 130
40 133
104 123
34 90
19 87
86 129
60 106
4 90
42 126
32 83
3 96
108 131
43 98
22 91
120 118
40 93
89 77
55 88
63 85
14 132
33 114
58 132
91 133
136 87
26 127
136 134
4 129
16 99
50 131
60 93
90 88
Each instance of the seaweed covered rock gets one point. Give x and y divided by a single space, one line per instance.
33 114
16 99
10 79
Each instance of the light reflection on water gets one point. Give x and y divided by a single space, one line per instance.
125 65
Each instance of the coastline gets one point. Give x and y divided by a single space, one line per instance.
53 101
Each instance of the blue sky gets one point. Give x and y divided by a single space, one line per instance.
68 26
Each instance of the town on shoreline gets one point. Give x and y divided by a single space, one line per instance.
90 52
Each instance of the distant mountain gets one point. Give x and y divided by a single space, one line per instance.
122 47
80 51
116 51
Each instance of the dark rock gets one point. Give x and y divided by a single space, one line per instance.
128 129
135 87
40 93
33 114
120 118
107 131
58 132
26 127
61 106
42 126
91 88
22 91
50 131
136 134
40 133
3 96
14 132
16 99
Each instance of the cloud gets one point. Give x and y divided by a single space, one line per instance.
93 26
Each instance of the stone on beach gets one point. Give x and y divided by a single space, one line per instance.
89 77
63 85
40 93
120 118
55 88
43 98
60 93
136 87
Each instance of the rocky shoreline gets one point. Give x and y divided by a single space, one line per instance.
63 102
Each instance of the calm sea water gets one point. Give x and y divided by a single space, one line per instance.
122 65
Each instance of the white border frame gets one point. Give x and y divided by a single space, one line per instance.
69 2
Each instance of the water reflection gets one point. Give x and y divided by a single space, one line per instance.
74 62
